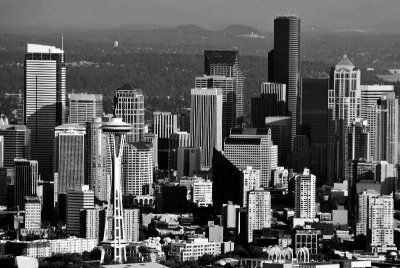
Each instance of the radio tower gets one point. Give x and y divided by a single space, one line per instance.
114 243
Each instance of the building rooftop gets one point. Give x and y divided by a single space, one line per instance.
35 48
249 131
85 97
135 265
345 62
244 141
221 56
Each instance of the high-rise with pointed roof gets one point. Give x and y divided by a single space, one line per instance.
344 103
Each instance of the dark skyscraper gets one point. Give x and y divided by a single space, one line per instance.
285 63
226 63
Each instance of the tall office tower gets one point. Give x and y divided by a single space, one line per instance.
44 101
314 120
344 102
226 181
69 158
131 223
177 140
153 139
188 161
226 63
300 157
285 63
250 180
1 151
78 199
96 163
25 180
258 211
375 218
17 143
184 120
114 241
3 186
164 124
206 122
228 86
33 210
202 193
358 141
251 147
305 194
383 121
92 226
229 215
137 167
84 108
129 105
371 94
272 102
280 131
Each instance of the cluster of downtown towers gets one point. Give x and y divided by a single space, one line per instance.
327 125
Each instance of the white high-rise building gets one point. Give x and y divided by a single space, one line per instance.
252 147
94 220
78 199
202 193
131 224
84 107
33 212
129 105
229 215
137 167
344 105
164 124
206 122
258 211
375 218
69 158
370 94
305 194
44 101
250 180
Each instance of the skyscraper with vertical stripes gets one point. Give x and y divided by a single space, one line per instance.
129 105
44 101
284 63
69 156
206 122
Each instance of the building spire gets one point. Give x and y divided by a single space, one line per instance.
62 42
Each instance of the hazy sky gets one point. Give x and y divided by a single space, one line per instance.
257 13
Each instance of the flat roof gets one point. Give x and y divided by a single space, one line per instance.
36 48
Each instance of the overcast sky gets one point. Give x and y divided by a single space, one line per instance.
256 13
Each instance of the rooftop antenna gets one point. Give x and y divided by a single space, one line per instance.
62 42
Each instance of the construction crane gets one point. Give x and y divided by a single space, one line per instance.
18 218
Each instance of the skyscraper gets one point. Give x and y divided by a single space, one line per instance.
69 156
370 94
44 101
344 103
258 211
272 102
84 108
206 122
250 180
228 86
137 167
164 124
285 63
78 198
114 241
129 105
132 222
251 147
17 143
226 63
96 161
305 194
25 180
177 140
